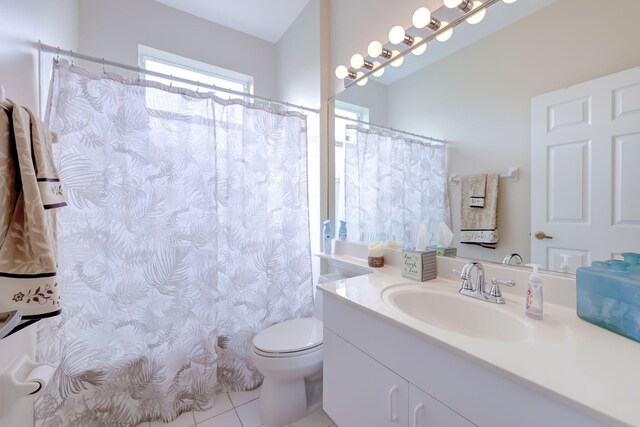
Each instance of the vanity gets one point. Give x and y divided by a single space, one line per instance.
404 353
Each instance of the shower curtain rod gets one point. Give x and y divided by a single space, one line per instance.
428 138
71 54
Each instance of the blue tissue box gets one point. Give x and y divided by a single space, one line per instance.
610 300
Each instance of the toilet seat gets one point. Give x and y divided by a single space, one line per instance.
290 338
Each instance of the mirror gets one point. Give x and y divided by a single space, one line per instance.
479 99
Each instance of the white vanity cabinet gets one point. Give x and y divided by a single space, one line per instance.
381 373
425 411
358 391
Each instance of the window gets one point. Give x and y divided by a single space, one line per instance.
353 112
190 69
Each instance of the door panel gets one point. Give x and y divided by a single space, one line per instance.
585 151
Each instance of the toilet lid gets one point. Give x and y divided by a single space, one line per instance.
290 336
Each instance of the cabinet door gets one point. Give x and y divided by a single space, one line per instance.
425 411
358 391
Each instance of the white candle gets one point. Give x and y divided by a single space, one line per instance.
376 250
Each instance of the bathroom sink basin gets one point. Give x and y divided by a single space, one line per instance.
444 308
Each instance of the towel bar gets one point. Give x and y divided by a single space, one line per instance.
513 176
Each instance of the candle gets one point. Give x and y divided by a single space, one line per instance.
376 249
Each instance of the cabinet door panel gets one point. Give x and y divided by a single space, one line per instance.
358 391
425 411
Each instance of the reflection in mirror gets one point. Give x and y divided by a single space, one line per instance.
479 99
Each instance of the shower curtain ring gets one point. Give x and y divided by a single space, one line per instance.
58 54
171 80
71 56
198 86
139 79
104 70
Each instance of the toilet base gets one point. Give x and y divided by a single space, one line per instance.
283 402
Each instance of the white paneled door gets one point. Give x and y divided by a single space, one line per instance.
585 163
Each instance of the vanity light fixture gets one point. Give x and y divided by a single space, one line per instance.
361 82
397 35
473 11
375 50
422 18
478 16
380 71
420 49
358 61
463 5
398 62
443 37
342 72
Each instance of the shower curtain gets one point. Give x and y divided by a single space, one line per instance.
392 185
186 234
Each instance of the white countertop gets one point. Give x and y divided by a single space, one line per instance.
573 361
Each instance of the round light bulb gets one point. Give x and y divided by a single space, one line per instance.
421 17
452 3
509 1
380 72
420 50
443 37
375 49
478 16
357 61
342 72
398 62
363 81
396 34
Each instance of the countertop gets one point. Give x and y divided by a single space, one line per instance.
583 366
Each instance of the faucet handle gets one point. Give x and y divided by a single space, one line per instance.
495 288
464 275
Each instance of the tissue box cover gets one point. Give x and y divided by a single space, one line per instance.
419 265
609 300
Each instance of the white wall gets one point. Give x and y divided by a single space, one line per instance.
24 22
113 29
298 76
487 117
373 96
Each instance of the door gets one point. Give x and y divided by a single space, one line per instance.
585 171
357 390
425 411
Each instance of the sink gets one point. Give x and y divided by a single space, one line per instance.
444 308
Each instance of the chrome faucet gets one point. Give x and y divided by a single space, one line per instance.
513 256
467 289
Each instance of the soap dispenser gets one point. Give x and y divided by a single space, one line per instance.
326 237
565 267
533 306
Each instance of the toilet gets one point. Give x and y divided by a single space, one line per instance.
289 355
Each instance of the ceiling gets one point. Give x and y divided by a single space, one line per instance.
265 19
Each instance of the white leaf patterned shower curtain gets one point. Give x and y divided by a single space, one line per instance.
392 185
186 234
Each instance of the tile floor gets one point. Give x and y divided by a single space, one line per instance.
237 409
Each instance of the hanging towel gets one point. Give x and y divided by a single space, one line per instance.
477 190
30 190
479 225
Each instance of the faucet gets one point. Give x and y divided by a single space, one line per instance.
467 289
507 259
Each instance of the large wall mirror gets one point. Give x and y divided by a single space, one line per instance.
478 98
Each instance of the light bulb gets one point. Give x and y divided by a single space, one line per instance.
342 72
363 81
396 34
421 17
398 62
375 49
478 16
420 50
443 37
357 61
452 3
509 1
380 72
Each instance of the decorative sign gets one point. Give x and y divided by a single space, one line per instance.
419 265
